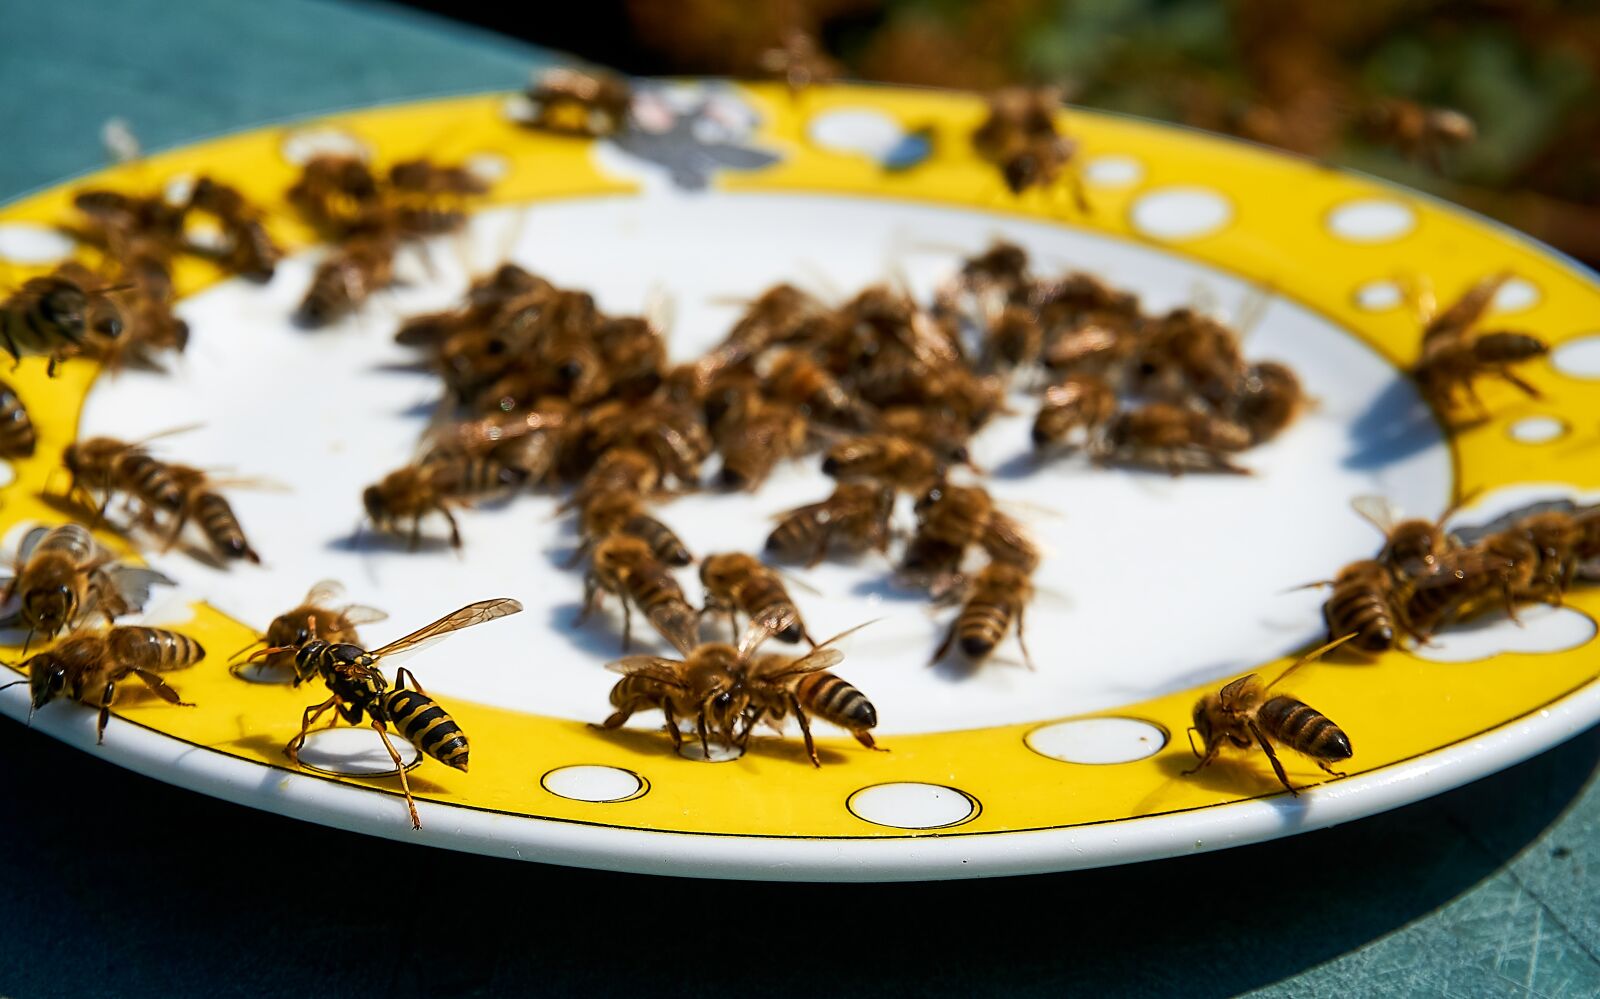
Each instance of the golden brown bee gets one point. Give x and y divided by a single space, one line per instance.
634 355
337 194
799 62
423 176
1020 136
346 278
895 461
754 438
62 575
1465 582
441 480
1454 356
314 620
87 666
53 315
107 466
119 215
1412 548
793 377
781 314
625 566
17 436
1269 398
604 514
1242 714
698 686
1419 133
250 250
618 471
1096 348
771 686
1173 438
1082 404
1544 550
526 441
1365 602
357 690
996 600
206 507
737 583
855 518
571 102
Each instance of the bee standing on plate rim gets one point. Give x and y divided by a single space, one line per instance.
314 620
87 666
358 690
1242 714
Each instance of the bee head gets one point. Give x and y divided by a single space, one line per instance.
47 677
1202 719
105 318
65 307
372 500
49 608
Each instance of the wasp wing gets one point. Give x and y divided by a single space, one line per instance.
130 586
466 617
30 541
1377 511
357 614
323 592
779 668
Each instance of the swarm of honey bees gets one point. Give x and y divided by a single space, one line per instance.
544 390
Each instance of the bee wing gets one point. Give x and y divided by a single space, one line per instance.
132 584
1377 511
757 631
360 614
797 511
1471 535
323 592
30 541
654 667
1309 657
1466 310
466 617
778 668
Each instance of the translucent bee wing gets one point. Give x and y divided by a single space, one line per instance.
1471 535
1377 511
779 667
30 541
1309 657
132 584
357 614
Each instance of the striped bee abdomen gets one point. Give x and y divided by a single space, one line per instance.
17 437
150 480
153 648
427 726
982 625
836 700
1304 729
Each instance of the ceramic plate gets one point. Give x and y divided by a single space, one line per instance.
1155 589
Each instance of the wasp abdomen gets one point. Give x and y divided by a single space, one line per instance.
427 726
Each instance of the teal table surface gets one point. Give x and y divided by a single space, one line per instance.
114 884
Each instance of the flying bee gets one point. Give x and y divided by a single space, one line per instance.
634 354
963 516
799 61
1013 338
737 583
755 438
357 690
1465 582
1544 550
570 102
250 251
440 481
423 176
17 436
1419 133
1083 404
87 666
62 575
1020 136
53 315
108 466
1173 438
314 620
625 566
699 686
995 602
1269 398
1412 548
207 508
346 278
771 686
855 518
1454 356
1242 714
605 514
337 194
904 464
1187 354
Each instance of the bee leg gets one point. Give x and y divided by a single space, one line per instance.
1272 757
944 646
416 533
403 676
1328 768
1205 761
400 765
627 622
865 738
1520 383
1021 644
591 596
733 625
805 730
672 725
705 744
292 750
106 696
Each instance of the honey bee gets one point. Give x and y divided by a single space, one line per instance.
570 102
118 214
17 436
527 441
1268 400
634 355
855 517
671 434
771 686
1185 354
1412 548
202 504
108 466
1367 603
1078 403
799 62
441 480
995 601
737 583
314 620
940 430
358 690
1465 582
1242 714
250 251
346 278
699 686
1419 133
87 666
52 315
754 438
423 176
793 377
625 566
1020 136
605 514
1013 339
1454 356
962 516
781 314
62 575
896 461
1094 347
1173 438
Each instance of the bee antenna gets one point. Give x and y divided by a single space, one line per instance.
27 642
1190 734
1312 656
847 631
13 683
